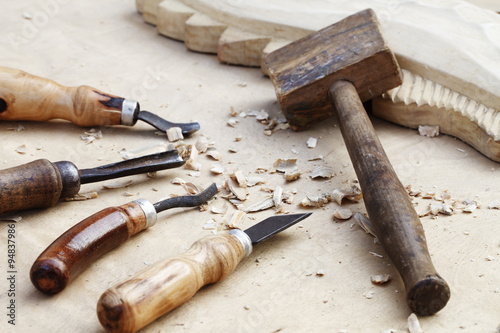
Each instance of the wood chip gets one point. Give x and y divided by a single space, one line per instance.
311 142
218 169
414 324
264 204
342 214
322 172
21 149
278 197
191 188
233 122
283 165
369 294
83 196
174 134
365 223
18 128
214 154
352 193
202 144
380 278
240 178
178 181
494 205
428 131
314 200
321 272
292 175
130 194
222 210
236 219
210 225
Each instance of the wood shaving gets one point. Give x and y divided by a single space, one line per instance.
369 294
253 181
342 214
278 127
291 175
376 254
321 272
83 196
311 142
414 324
315 200
261 170
233 122
236 218
217 169
21 149
117 184
174 134
278 197
222 210
352 193
283 165
91 135
380 278
202 144
194 174
322 172
191 163
494 205
191 188
490 258
428 131
232 150
412 192
365 223
178 181
240 178
214 154
316 158
130 194
239 192
264 204
238 138
210 225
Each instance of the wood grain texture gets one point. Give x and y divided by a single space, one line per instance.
37 184
163 286
394 219
30 97
353 49
78 247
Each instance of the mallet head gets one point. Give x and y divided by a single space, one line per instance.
353 49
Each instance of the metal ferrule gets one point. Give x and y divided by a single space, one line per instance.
245 241
149 211
70 178
130 111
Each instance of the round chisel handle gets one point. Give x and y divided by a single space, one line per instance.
78 247
28 97
37 184
391 212
158 289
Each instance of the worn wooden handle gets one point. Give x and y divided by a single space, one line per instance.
158 289
28 97
395 221
36 184
79 246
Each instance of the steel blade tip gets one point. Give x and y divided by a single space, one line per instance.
273 225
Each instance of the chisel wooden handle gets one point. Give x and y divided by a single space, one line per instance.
156 290
37 184
28 97
394 219
79 246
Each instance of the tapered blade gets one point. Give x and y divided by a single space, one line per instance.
164 125
273 225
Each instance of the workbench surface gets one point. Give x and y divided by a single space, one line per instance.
106 44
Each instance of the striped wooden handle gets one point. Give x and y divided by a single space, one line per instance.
28 97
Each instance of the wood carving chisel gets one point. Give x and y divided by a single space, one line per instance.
78 247
24 96
41 183
331 72
163 286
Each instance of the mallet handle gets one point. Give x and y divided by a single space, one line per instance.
163 286
78 247
24 96
395 221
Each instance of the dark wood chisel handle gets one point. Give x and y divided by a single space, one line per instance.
79 246
158 289
37 184
394 219
28 97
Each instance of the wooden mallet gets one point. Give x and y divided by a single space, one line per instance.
331 72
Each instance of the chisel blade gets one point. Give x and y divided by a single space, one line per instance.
163 124
273 225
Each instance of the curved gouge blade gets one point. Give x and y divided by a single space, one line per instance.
85 242
158 289
149 163
164 125
273 225
187 200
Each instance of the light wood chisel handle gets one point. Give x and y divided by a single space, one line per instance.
158 289
394 219
37 184
28 97
85 242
